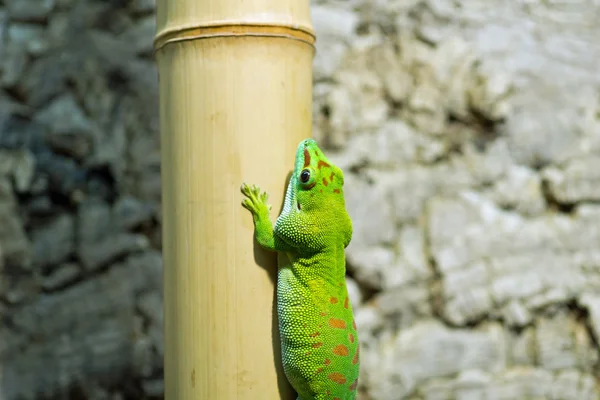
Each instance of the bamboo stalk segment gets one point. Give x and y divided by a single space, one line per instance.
235 100
194 18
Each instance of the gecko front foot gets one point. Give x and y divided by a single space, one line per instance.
255 201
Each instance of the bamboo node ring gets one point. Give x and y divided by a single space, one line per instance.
227 30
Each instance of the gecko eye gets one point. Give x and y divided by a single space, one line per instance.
305 176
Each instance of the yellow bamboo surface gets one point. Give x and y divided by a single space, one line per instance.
235 100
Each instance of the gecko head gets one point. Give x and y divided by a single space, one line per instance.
317 187
319 183
314 211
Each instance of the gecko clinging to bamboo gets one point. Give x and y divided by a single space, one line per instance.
319 342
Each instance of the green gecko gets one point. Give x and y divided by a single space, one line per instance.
319 342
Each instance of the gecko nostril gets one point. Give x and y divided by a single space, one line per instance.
298 205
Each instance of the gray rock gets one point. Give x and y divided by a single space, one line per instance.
71 132
14 61
151 307
543 135
40 206
44 80
394 144
30 10
143 6
425 111
82 333
17 132
14 244
140 36
19 166
154 387
561 344
110 249
370 265
592 303
93 221
54 242
368 321
397 79
573 385
373 222
129 213
143 360
520 189
109 50
61 277
472 385
17 285
439 352
354 293
65 177
576 182
516 314
358 103
29 36
404 305
334 27
522 383
60 30
522 347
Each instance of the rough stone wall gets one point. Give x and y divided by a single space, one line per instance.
470 136
81 270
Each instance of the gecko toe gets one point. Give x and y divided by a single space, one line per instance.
264 197
248 204
245 189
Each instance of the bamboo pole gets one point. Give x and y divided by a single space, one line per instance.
235 100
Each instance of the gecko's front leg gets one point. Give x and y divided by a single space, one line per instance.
256 203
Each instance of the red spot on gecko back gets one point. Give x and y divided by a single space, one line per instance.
327 361
319 370
356 356
306 157
322 164
346 303
354 324
317 345
314 334
341 350
351 338
337 323
325 183
336 191
333 300
337 378
322 313
354 385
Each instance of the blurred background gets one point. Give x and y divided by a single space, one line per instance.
469 133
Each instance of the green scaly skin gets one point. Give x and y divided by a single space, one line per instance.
318 334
